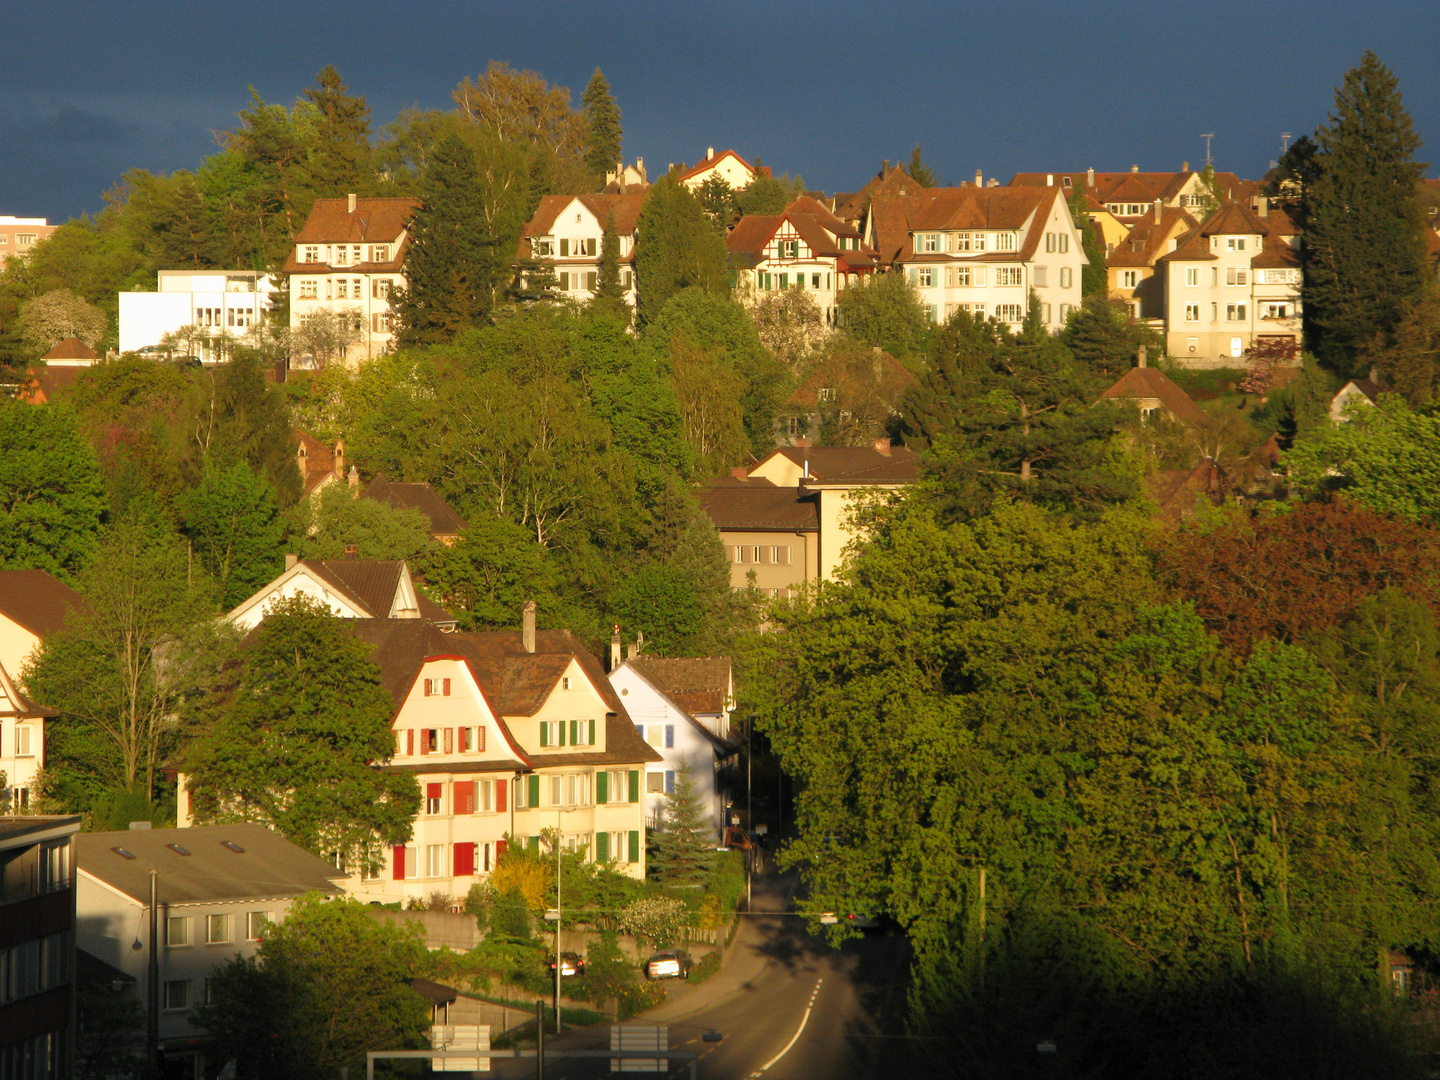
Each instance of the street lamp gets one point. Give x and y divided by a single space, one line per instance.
554 916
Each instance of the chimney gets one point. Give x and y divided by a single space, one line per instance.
1134 168
709 152
1140 357
739 472
290 561
806 475
1184 166
615 647
351 200
1090 178
640 168
352 551
1158 206
353 479
527 627
339 459
883 445
979 178
302 462
1050 179
1262 206
803 444
884 167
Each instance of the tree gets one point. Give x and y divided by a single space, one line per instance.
710 394
1365 246
297 747
683 851
677 249
131 678
323 337
59 314
487 575
339 160
1105 339
336 520
1092 274
609 295
602 122
232 414
519 106
790 325
919 171
718 199
51 497
325 986
768 194
235 530
885 312
660 602
1211 195
452 265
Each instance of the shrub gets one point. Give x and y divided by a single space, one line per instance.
709 965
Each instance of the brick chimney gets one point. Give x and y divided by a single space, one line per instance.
803 444
351 200
615 647
527 627
352 551
1140 358
883 446
353 479
979 178
739 472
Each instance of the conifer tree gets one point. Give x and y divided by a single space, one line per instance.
919 171
608 292
683 851
677 248
602 118
1092 274
1365 243
340 156
452 264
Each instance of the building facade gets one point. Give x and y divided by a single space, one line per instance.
220 303
566 233
19 234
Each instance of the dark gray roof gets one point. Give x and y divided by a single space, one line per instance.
755 504
444 521
37 601
267 866
16 831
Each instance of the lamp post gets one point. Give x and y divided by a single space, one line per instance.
559 962
152 991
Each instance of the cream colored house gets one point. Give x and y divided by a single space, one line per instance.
566 231
983 250
350 588
347 257
1231 282
1130 264
728 165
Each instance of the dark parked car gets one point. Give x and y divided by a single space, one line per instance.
671 964
570 964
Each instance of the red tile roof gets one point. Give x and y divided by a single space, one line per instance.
700 685
37 601
624 206
857 465
72 348
373 221
1147 382
895 217
711 162
1140 186
758 505
1148 240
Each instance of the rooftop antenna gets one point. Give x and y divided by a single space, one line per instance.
1284 141
1207 139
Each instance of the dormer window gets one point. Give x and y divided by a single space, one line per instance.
310 253
437 687
544 246
1235 243
380 253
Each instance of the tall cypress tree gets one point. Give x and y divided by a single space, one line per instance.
608 293
1365 247
453 261
918 170
602 116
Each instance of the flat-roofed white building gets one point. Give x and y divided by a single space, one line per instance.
223 302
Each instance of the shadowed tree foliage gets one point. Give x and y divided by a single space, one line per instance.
918 170
602 121
678 248
51 496
234 525
885 312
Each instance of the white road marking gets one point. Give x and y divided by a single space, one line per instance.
793 1038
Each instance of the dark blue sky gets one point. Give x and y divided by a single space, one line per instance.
88 90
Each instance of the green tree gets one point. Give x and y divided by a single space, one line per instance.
132 678
339 159
50 319
453 261
325 526
235 528
51 497
682 851
919 171
296 749
1105 339
325 986
602 120
609 296
487 575
718 199
677 249
1212 196
232 414
768 194
1365 246
661 602
1092 274
886 312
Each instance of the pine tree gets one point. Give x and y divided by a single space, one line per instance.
677 248
608 293
452 265
683 851
602 118
918 170
339 160
1365 246
1211 194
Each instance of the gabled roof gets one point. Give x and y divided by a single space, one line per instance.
1149 239
891 180
373 221
1146 382
759 505
72 348
1235 218
1138 186
816 226
37 601
700 685
1178 493
647 674
625 206
319 460
444 521
267 866
714 160
43 384
851 464
896 217
373 585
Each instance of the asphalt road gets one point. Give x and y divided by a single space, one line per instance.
788 1006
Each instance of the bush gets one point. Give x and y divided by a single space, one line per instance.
709 965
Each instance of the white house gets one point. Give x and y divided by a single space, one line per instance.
225 302
33 605
351 588
681 708
216 889
983 250
727 165
566 231
347 257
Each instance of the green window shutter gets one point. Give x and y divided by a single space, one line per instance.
602 843
634 785
634 846
534 843
574 732
534 790
592 732
561 726
914 276
544 734
602 789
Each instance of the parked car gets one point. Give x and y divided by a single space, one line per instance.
570 964
671 964
862 921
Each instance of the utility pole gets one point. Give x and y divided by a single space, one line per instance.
152 991
1284 141
1207 139
539 1040
559 962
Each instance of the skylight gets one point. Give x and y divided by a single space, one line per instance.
122 853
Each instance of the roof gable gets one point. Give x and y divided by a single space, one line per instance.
1141 383
38 602
374 221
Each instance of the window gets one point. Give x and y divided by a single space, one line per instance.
1235 275
610 786
54 865
522 793
1129 278
255 924
340 250
1066 277
1009 275
433 798
929 242
1192 276
434 860
780 555
1192 312
925 277
1235 243
484 797
429 740
565 683
1237 347
380 322
543 247
1276 311
342 289
552 732
380 253
1234 312
24 742
1045 313
217 929
1005 241
177 995
437 687
655 783
789 249
625 279
1010 313
177 930
962 276
380 288
311 253
814 281
582 732
760 553
978 244
1041 276
961 242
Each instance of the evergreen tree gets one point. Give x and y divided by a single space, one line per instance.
1104 339
339 160
683 851
608 293
919 171
718 198
602 118
1092 274
1212 195
677 248
1365 245
452 264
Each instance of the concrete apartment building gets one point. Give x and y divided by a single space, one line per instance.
19 234
223 302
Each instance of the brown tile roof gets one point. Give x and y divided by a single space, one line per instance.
267 867
625 206
372 584
373 221
1140 186
1148 240
853 464
1178 493
444 521
43 384
709 162
38 602
700 685
72 348
819 230
1232 218
319 459
892 181
758 505
895 217
1276 253
1148 382
1237 218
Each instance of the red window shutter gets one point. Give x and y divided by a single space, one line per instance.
399 853
464 860
424 740
449 740
465 797
429 685
410 741
432 791
500 846
447 687
499 794
480 739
